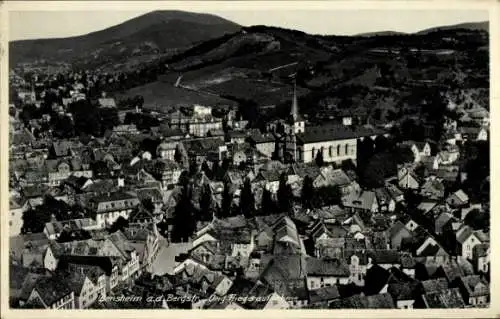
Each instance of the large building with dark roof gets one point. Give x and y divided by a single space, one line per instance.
336 142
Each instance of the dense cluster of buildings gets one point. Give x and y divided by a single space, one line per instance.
367 251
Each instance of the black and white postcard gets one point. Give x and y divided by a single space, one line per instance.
243 156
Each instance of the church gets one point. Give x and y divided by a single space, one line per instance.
335 142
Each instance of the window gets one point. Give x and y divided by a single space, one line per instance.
330 151
346 149
313 151
338 150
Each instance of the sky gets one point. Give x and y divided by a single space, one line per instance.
57 24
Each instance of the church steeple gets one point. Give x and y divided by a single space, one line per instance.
293 118
295 107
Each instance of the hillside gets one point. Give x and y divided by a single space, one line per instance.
153 33
380 78
472 26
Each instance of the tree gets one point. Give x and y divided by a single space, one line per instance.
247 200
206 203
378 169
120 224
184 223
227 201
180 155
267 205
319 159
477 219
34 220
150 145
109 118
285 194
86 118
327 196
404 155
307 192
206 169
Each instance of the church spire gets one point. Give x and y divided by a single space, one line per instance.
295 107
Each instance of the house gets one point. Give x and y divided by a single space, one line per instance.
285 231
17 206
39 255
264 143
481 257
51 292
453 269
167 172
475 291
242 241
430 247
166 150
397 232
434 285
385 200
285 273
474 133
103 271
365 201
236 137
407 179
432 189
418 149
328 176
458 199
449 298
357 267
85 289
396 194
207 149
324 272
441 221
108 207
467 238
408 264
376 280
106 102
403 294
146 241
322 297
447 157
384 258
270 180
358 301
53 229
256 296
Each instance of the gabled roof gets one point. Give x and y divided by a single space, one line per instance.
326 267
52 289
470 283
363 200
449 298
396 228
384 256
460 195
324 294
434 285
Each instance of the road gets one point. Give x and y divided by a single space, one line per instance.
165 261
